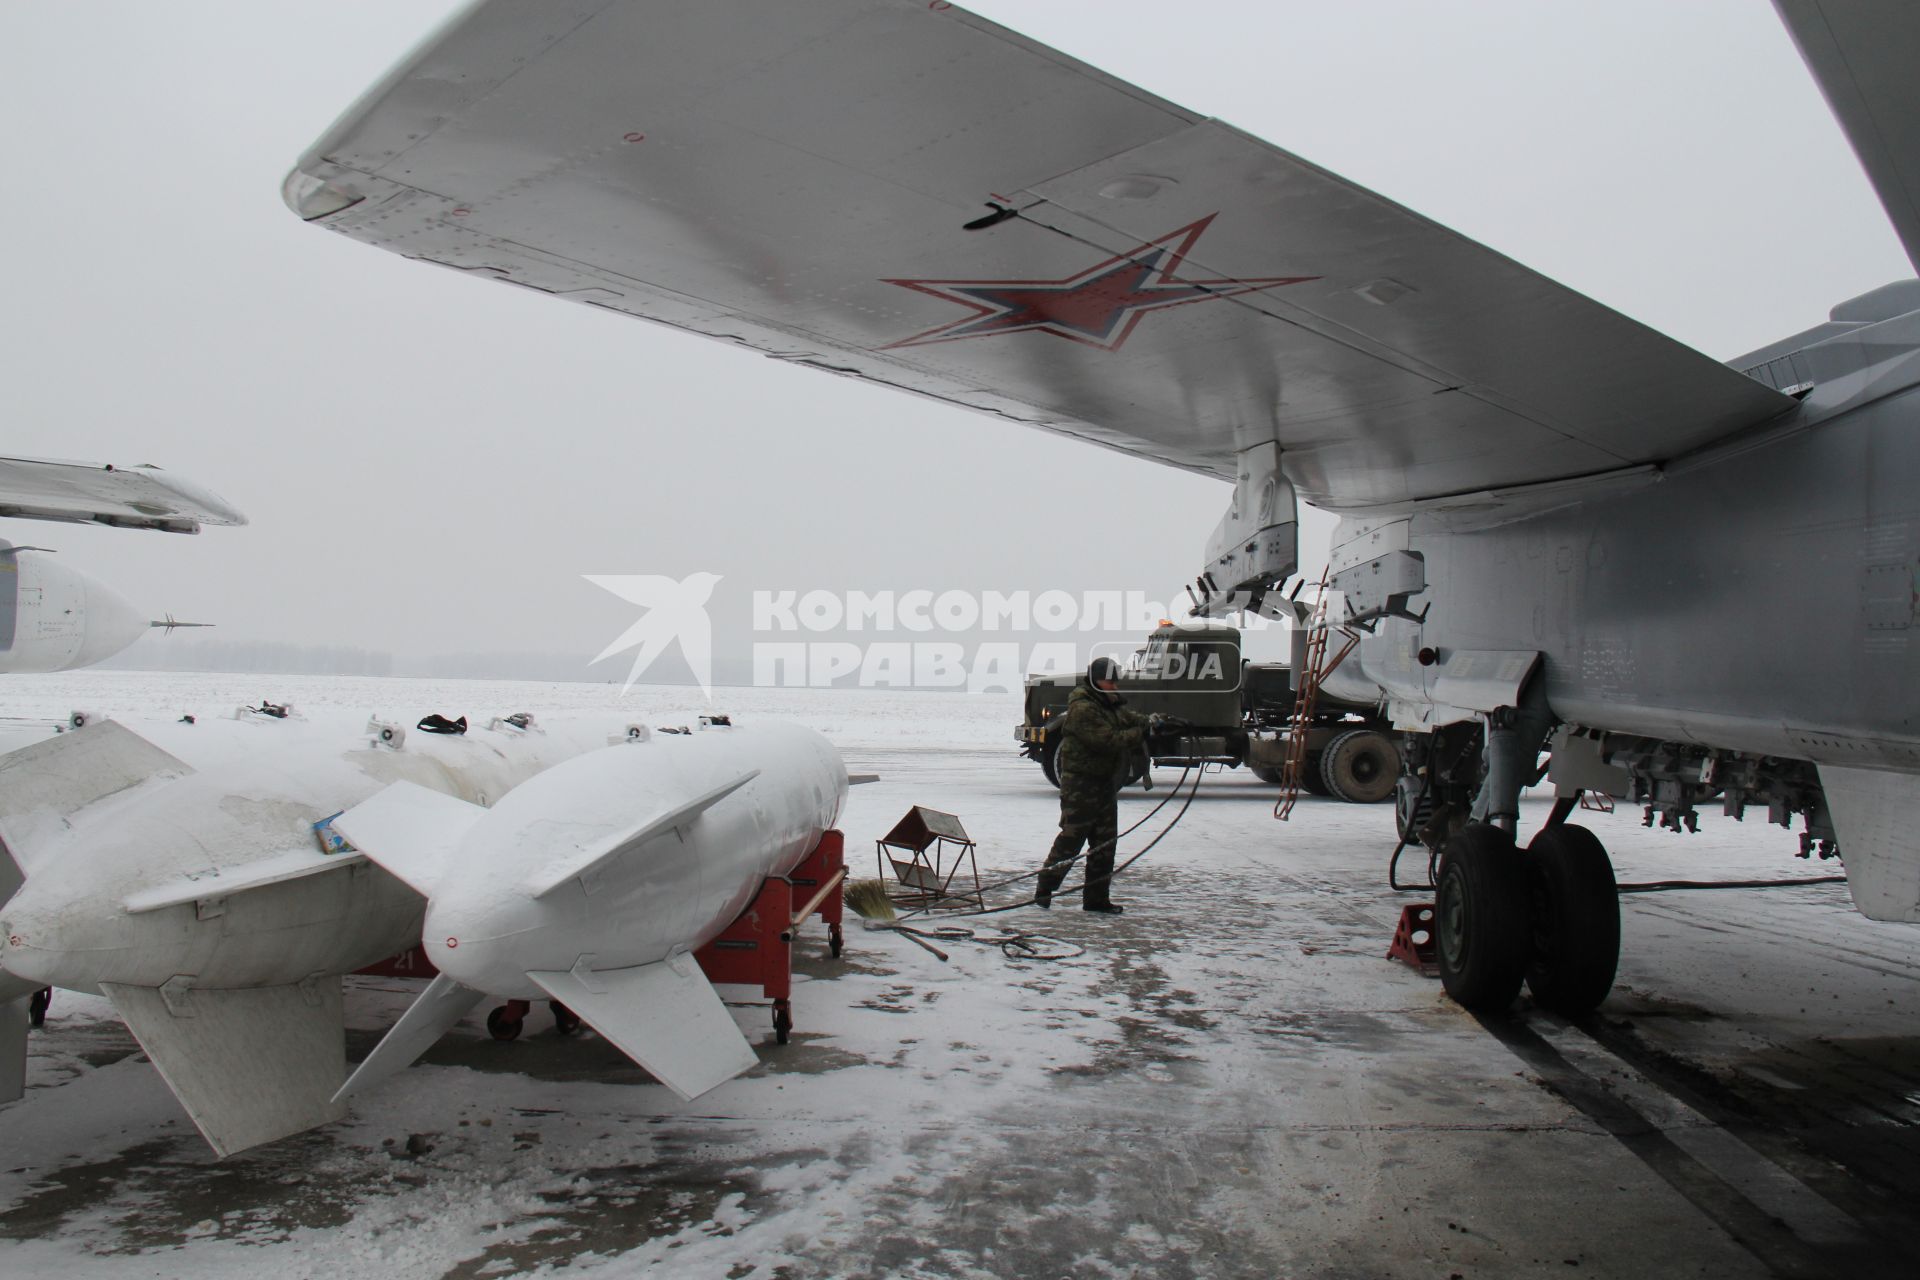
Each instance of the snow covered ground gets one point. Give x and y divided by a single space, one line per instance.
1230 1080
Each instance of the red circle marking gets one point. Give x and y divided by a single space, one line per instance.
452 943
14 939
939 6
461 213
634 137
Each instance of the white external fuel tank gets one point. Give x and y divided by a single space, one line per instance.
594 883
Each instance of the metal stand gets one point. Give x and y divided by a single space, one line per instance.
937 847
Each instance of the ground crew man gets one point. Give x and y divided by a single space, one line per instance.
1099 742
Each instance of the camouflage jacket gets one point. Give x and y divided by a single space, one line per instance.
1096 737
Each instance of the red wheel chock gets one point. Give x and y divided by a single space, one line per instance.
1413 941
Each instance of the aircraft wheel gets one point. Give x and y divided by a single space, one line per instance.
782 1021
1575 912
565 1020
1360 766
1310 780
1480 918
37 1007
503 1025
1269 776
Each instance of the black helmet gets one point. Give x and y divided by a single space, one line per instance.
1102 669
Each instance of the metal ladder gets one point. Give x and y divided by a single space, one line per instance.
1307 684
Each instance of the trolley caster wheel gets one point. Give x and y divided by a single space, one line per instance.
565 1020
1480 911
37 1006
836 940
504 1024
782 1021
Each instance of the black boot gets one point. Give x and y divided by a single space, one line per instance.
1104 908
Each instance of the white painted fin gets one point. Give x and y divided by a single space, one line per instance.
222 883
44 784
553 875
250 1065
667 1017
432 1014
861 779
410 831
14 1016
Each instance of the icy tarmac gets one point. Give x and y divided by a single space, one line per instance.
1230 1080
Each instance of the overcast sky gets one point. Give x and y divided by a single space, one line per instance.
431 462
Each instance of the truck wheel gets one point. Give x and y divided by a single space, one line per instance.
1360 766
1576 920
1048 751
1480 918
1269 776
1311 780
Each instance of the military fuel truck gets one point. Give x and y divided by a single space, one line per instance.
1227 711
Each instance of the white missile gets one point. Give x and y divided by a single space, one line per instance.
594 883
189 877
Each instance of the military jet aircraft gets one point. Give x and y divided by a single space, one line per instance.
1560 528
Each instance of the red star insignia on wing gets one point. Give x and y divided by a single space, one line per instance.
1099 306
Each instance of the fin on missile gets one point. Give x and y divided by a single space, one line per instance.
552 876
249 1065
666 1016
430 1016
44 784
410 831
217 883
14 1016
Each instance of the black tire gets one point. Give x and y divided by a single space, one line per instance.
565 1020
1049 751
836 940
782 1022
1480 918
1575 913
503 1026
1360 766
1269 776
1310 780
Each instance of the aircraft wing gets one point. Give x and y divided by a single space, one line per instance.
795 175
142 497
1863 54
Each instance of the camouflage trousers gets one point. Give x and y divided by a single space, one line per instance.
1089 813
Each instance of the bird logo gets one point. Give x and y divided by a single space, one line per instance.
674 611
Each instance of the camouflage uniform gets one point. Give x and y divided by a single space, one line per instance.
1099 736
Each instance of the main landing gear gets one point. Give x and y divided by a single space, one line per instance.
1548 916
